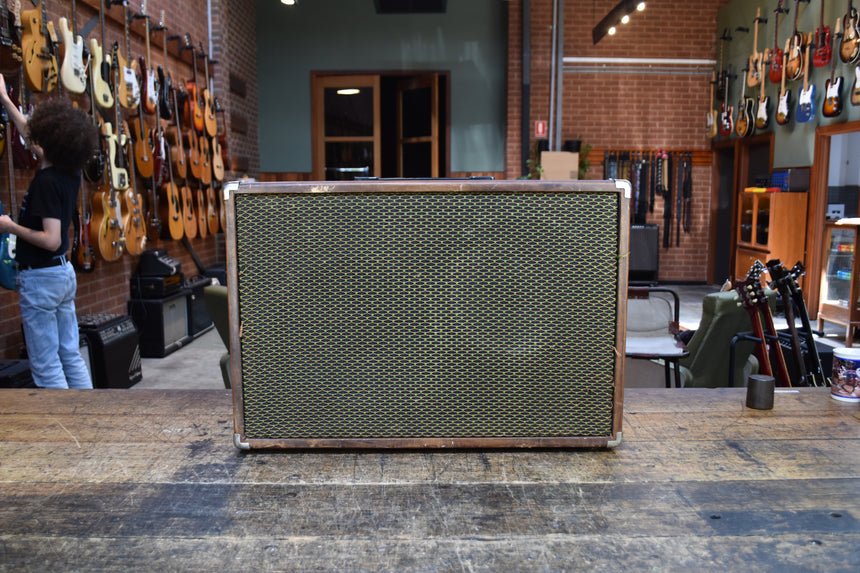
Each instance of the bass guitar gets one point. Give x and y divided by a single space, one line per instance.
823 51
762 114
849 47
73 71
755 302
40 63
806 98
832 105
783 108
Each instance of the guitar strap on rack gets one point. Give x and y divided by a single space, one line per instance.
688 193
679 201
667 200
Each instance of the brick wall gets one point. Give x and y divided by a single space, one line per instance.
107 288
625 110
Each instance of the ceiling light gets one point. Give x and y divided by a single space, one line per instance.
289 2
640 6
348 91
620 14
611 31
625 19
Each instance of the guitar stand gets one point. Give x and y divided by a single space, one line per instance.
744 337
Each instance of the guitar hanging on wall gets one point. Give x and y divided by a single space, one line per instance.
745 122
726 121
849 47
832 105
762 116
776 60
754 68
783 108
794 64
806 98
823 51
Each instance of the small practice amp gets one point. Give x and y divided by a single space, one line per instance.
427 313
114 350
163 323
199 321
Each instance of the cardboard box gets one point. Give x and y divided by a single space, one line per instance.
559 165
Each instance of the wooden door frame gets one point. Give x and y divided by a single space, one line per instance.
319 82
817 214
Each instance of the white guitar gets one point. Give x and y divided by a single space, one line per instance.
855 92
73 71
101 87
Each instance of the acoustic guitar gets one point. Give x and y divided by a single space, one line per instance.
133 224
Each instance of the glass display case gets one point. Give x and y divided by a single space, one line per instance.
839 284
770 226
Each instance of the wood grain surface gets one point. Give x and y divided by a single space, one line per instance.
118 480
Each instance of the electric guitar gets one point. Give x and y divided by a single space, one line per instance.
823 51
711 117
95 166
726 122
783 281
762 115
754 75
73 71
165 85
795 52
129 86
8 265
133 224
83 256
102 89
776 61
107 233
150 84
855 91
745 122
40 64
806 98
849 48
832 105
783 108
755 302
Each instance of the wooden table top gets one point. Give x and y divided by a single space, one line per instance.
137 480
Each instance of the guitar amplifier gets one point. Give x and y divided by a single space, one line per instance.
114 351
427 313
199 321
163 323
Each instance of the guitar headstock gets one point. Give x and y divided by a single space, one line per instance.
750 289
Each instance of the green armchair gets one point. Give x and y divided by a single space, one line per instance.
707 365
216 304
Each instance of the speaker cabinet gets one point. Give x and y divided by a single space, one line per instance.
427 313
163 323
114 350
199 321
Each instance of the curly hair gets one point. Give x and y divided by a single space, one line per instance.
65 133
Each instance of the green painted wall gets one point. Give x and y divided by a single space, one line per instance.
469 41
794 143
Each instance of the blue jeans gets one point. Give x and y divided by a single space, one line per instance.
47 301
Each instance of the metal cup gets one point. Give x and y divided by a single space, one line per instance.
760 391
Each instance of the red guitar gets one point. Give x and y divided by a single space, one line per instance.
775 73
193 104
823 51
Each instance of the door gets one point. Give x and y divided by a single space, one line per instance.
418 127
346 127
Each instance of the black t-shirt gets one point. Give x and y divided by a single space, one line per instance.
53 194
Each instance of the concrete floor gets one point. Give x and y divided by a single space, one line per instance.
196 365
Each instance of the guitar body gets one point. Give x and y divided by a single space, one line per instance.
129 86
762 116
217 157
744 124
794 66
178 157
83 257
100 70
849 47
106 233
192 149
210 124
189 217
806 104
783 109
193 112
40 64
212 210
10 41
150 91
142 152
165 88
202 222
855 91
726 121
135 230
171 210
73 72
775 73
832 105
118 175
8 266
205 161
823 52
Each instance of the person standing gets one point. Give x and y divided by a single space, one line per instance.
63 138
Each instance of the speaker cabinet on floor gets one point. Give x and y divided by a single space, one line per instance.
114 350
163 323
427 313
